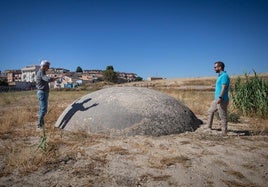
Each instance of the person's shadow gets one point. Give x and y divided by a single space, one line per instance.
241 132
75 107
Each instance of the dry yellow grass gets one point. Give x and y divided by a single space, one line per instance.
18 116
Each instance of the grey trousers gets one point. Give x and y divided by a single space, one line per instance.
222 109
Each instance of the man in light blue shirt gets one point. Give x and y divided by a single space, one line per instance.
221 99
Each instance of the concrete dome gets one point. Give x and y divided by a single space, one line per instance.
128 111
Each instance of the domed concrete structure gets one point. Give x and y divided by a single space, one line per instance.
128 111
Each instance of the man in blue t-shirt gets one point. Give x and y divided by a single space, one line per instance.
221 99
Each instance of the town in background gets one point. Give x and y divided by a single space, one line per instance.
25 78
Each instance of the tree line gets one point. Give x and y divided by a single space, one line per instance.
109 74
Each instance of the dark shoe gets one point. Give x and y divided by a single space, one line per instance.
39 128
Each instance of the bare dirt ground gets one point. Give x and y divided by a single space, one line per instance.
200 158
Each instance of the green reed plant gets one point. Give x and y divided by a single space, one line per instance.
250 96
43 141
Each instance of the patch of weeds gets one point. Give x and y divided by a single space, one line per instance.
237 184
233 117
236 174
161 177
251 167
185 142
186 162
100 157
91 169
118 150
220 162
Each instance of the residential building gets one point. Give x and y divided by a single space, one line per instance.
69 80
154 78
29 73
126 77
93 72
13 75
92 75
57 71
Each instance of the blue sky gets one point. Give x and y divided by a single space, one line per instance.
167 38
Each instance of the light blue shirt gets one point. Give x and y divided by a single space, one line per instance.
223 79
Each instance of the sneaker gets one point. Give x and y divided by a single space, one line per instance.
39 128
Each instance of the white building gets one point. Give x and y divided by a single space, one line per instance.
29 73
154 78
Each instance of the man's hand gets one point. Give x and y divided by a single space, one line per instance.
55 78
219 101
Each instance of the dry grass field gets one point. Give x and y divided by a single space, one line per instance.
200 158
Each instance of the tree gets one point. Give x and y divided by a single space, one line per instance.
3 82
110 68
79 69
138 79
110 75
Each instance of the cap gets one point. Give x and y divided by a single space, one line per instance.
44 63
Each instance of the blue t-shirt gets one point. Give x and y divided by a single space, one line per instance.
223 79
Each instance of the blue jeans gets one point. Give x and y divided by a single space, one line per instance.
43 102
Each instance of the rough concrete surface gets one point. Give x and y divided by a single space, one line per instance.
128 111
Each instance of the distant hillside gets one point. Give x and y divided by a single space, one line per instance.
200 83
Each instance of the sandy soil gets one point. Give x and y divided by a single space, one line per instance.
200 158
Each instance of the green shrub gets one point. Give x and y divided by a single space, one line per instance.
250 96
233 117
